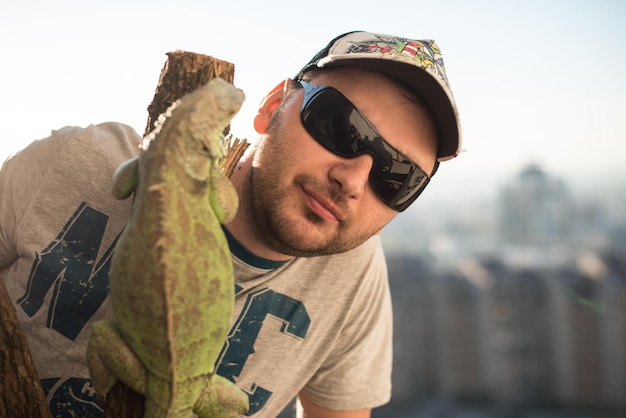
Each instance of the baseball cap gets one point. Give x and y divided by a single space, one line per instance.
417 63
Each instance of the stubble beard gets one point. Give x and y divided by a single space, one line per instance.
268 215
273 219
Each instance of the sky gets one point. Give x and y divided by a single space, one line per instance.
535 81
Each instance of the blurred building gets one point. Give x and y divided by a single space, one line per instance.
535 209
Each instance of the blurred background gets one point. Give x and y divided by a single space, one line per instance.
513 306
509 273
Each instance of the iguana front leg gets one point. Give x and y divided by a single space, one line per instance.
220 398
110 358
125 179
222 196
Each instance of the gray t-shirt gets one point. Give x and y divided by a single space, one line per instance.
319 325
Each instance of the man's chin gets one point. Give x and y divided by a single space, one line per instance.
304 238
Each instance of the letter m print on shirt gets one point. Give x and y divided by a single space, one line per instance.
68 274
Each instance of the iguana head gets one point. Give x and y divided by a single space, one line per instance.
200 140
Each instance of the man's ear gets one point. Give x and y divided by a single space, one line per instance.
268 105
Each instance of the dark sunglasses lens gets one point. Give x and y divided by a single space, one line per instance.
398 184
324 118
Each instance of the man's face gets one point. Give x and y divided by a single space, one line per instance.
303 200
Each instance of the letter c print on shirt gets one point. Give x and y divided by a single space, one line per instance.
244 332
69 266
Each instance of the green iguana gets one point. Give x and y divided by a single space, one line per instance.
171 278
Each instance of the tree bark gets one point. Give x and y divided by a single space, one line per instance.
182 73
21 394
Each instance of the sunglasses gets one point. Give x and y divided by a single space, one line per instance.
336 124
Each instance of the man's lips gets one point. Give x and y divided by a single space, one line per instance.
322 206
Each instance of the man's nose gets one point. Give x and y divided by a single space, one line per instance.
352 175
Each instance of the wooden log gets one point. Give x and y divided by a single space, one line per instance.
182 73
21 394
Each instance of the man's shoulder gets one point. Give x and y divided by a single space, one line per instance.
110 138
70 166
117 129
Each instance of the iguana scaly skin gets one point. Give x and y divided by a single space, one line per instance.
171 278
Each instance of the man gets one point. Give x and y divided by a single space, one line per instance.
344 147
